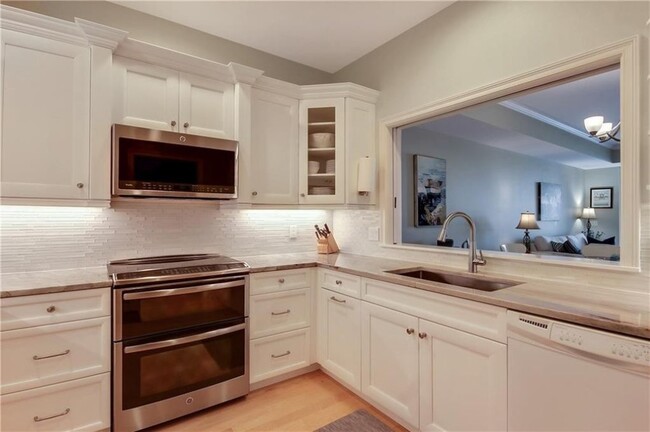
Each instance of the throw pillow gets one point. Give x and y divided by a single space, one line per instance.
570 248
609 241
558 246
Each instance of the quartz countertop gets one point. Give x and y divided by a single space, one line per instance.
617 310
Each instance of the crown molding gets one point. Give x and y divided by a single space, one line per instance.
352 90
101 35
244 74
150 53
278 86
41 25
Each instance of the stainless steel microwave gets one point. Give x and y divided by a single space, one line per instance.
152 163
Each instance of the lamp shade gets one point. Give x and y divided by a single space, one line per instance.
588 213
593 124
527 221
366 175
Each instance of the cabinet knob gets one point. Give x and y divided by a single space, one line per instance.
422 335
254 193
302 195
186 125
173 123
338 282
281 280
50 309
410 331
80 185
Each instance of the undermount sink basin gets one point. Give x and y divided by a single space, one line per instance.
455 279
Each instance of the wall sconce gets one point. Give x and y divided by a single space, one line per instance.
527 222
366 176
603 131
588 213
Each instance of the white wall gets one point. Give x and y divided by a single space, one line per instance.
493 186
45 238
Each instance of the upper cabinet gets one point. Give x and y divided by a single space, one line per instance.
55 98
274 149
337 130
156 97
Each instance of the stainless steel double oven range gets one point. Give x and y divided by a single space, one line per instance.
180 336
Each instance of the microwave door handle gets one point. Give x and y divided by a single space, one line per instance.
181 291
184 340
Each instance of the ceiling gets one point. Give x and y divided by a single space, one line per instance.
326 35
546 124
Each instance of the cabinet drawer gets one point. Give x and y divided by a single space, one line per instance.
37 310
268 282
341 282
44 355
466 315
275 355
79 405
279 312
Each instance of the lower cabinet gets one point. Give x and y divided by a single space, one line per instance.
278 354
463 380
431 376
339 346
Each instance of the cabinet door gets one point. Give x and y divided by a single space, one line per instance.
145 95
45 117
322 143
463 381
206 107
359 143
339 336
274 144
389 360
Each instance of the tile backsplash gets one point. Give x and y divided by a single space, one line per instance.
45 238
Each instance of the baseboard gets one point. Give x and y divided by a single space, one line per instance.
284 376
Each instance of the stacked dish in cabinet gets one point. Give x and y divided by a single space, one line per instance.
321 129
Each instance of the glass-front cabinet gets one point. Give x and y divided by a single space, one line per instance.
322 151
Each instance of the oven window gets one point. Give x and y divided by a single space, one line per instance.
152 315
152 375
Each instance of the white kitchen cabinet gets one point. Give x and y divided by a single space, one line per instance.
463 381
274 149
390 360
45 117
279 312
319 117
339 336
156 97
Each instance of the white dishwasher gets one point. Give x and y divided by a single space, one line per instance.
563 377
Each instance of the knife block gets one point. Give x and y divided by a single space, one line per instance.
327 245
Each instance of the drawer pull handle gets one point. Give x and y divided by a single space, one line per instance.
410 331
337 300
338 282
281 280
39 419
51 309
281 313
422 335
51 356
281 355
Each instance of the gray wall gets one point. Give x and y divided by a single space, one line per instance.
607 219
167 34
493 186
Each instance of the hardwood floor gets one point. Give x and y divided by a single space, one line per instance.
304 403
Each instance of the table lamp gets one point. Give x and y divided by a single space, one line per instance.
527 222
588 213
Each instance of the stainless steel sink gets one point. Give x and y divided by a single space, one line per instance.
455 279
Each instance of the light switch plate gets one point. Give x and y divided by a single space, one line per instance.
293 231
373 233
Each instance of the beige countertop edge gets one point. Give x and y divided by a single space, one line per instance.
522 298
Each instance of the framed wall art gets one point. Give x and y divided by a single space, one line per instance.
601 197
430 176
549 201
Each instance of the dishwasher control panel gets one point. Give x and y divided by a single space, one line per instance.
603 344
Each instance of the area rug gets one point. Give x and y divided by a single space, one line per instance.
359 421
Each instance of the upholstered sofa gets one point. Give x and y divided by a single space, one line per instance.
573 245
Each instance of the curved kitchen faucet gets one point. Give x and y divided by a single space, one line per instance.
474 260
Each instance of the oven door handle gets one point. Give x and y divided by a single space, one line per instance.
181 291
184 340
